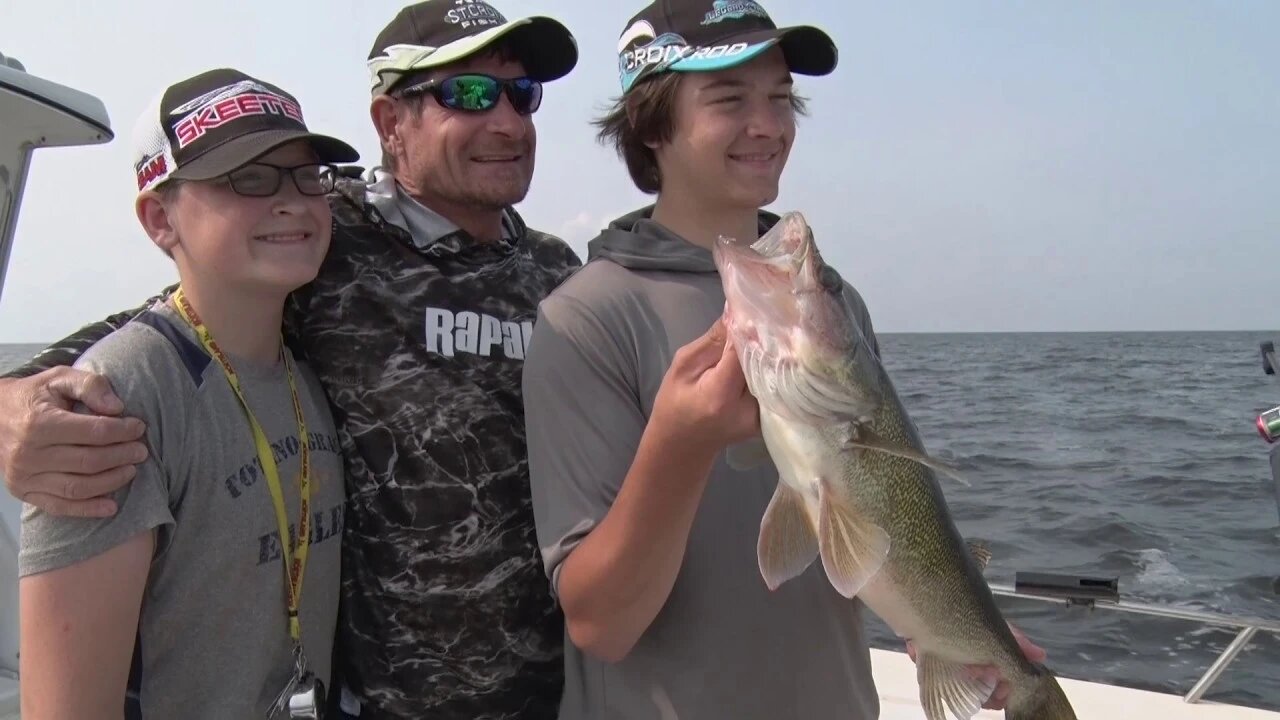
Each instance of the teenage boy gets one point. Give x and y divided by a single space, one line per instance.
649 537
213 590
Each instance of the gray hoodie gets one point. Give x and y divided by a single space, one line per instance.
723 645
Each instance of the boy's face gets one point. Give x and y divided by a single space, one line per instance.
465 159
732 134
273 243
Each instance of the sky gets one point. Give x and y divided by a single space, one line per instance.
1088 165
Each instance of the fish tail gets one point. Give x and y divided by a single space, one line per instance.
1039 698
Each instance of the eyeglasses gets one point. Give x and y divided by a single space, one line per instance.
264 180
475 92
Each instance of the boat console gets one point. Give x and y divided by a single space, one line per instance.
34 113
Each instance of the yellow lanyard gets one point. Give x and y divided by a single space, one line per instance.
293 564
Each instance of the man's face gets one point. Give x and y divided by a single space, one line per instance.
472 160
732 134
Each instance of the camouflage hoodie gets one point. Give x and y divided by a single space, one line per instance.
420 342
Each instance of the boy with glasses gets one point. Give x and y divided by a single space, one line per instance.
213 590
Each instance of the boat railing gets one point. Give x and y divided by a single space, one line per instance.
1103 595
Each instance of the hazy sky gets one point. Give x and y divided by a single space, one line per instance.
1078 165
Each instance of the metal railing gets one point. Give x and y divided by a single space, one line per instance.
1247 627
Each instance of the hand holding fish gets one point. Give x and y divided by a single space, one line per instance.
991 674
704 399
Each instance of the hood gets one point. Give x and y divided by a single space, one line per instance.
430 232
636 242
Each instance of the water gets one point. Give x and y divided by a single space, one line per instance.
13 355
1128 454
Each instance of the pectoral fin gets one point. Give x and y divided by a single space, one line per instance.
946 685
862 438
787 545
852 547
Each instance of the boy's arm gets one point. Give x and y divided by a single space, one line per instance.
83 579
61 461
615 495
79 626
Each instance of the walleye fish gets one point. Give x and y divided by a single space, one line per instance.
856 487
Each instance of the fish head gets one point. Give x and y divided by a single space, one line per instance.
801 349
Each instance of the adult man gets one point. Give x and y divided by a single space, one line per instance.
417 327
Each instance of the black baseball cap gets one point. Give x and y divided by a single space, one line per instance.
432 33
208 125
710 35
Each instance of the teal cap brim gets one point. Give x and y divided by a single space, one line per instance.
723 62
808 51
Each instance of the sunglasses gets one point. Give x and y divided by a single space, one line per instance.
475 92
263 180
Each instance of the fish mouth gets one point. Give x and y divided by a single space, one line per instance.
790 237
756 286
767 276
800 350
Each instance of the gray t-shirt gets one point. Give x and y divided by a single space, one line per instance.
213 638
723 645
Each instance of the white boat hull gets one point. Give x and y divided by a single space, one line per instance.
899 692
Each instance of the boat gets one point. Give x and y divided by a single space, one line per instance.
37 113
895 673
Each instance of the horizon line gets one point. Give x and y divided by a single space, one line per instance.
884 333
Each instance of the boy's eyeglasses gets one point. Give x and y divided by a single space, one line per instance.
476 92
263 180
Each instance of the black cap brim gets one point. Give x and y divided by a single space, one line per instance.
808 50
246 148
546 48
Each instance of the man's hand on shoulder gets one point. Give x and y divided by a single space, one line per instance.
61 460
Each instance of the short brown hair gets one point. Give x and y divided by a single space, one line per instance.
644 114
